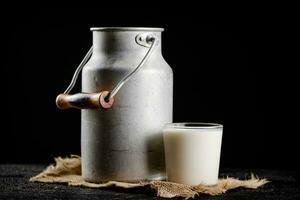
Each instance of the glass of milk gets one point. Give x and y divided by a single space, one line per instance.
192 152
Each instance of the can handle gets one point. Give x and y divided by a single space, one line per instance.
103 99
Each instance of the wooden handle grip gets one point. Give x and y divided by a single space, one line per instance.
83 100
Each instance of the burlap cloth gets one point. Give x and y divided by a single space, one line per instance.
68 170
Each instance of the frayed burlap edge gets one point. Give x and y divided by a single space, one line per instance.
68 170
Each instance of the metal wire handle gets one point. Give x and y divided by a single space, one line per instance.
78 70
149 39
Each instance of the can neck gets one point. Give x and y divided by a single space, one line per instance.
120 41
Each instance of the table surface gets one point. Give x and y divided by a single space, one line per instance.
14 184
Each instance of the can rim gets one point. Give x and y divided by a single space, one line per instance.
151 29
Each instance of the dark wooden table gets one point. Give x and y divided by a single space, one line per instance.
14 184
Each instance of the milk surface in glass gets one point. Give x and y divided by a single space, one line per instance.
192 152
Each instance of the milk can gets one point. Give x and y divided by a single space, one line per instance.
126 99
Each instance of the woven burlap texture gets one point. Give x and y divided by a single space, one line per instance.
68 170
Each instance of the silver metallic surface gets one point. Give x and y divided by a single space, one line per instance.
147 29
143 39
153 42
124 142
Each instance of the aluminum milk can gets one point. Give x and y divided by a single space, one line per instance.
126 99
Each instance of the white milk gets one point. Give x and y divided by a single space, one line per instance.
193 154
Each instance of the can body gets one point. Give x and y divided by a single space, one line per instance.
125 143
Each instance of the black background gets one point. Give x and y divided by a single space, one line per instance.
219 76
